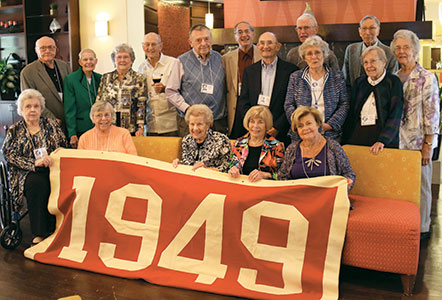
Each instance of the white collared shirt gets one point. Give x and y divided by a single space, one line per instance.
369 108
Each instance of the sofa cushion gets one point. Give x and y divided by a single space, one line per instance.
162 148
383 235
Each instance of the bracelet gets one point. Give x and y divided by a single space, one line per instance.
427 143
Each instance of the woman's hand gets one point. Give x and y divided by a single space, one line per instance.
349 182
256 175
140 131
426 154
234 172
376 148
45 161
198 165
325 127
175 162
74 141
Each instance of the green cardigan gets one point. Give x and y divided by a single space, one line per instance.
78 100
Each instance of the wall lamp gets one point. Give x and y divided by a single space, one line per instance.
102 25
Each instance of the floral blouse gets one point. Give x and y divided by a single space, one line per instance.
421 109
270 159
124 96
18 149
214 151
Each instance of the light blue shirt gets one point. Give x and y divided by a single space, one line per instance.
268 74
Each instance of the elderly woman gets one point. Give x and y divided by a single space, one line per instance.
420 121
26 148
105 136
126 90
203 147
257 154
313 155
80 91
318 86
376 105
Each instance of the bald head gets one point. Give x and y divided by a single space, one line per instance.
268 46
152 46
46 49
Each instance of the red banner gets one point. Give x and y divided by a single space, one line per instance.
134 217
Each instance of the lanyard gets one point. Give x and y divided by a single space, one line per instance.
88 89
58 77
202 73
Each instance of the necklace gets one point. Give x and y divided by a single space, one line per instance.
107 144
315 85
313 162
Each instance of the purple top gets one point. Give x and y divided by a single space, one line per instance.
313 167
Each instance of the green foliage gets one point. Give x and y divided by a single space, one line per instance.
9 77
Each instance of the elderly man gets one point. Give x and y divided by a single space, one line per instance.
369 28
306 26
234 64
198 78
46 75
157 68
265 83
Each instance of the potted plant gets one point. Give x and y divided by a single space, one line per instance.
9 79
53 8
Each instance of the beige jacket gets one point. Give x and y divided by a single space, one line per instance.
230 65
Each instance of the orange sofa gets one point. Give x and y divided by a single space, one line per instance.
383 231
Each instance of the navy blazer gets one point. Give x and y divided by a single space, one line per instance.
250 90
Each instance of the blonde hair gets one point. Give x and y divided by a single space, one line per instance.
199 110
303 111
259 112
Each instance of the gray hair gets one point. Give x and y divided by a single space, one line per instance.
101 106
408 35
199 27
86 50
199 110
380 51
314 41
310 17
29 94
156 35
235 29
123 48
369 17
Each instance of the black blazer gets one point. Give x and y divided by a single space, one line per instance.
250 90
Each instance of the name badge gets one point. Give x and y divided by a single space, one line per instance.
207 88
368 120
263 100
40 152
61 96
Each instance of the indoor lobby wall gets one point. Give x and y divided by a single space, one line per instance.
284 13
126 25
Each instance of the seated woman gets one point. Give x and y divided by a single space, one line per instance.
26 148
313 155
105 136
376 105
203 147
318 86
257 154
126 90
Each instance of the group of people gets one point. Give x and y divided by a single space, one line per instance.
381 98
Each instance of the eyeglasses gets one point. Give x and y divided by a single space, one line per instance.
44 48
404 48
316 53
246 31
371 28
370 62
305 28
101 115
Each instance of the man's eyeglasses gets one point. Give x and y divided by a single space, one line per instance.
44 48
305 28
371 28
